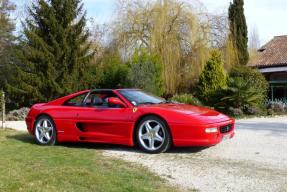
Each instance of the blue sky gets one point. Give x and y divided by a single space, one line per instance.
265 15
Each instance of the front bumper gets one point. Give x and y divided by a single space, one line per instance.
195 135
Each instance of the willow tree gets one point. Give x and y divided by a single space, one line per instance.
171 30
230 54
54 52
254 44
220 39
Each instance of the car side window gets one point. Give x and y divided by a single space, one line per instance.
75 101
99 100
93 100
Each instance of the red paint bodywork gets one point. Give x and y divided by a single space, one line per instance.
187 123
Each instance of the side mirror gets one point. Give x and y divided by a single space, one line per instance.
115 101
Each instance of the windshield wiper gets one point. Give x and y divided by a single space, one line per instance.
146 103
164 102
151 103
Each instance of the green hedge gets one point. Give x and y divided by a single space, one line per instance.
186 98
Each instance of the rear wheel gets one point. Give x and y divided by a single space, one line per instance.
152 135
45 131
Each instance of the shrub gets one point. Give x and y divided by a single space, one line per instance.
167 96
235 111
270 112
112 73
186 98
246 90
277 107
212 79
239 94
145 72
253 110
252 78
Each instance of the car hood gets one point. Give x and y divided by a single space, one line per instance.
206 114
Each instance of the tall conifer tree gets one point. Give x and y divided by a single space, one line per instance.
6 39
54 52
212 79
238 30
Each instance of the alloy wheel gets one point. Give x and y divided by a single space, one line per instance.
151 135
44 131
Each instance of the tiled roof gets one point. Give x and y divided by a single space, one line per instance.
274 53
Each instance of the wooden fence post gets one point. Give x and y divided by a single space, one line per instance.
3 110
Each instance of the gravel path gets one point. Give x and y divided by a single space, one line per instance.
17 125
254 160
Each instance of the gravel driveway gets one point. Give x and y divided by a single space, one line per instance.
254 160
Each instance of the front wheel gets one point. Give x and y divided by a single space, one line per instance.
152 135
45 131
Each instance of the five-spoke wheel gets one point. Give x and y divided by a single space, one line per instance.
45 132
153 135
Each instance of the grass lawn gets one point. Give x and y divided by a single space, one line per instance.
25 166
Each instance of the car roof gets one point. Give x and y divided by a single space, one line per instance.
112 89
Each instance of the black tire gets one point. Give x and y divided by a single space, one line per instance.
52 140
164 133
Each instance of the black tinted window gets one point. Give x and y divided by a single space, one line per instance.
76 101
99 99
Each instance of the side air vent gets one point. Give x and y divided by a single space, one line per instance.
80 127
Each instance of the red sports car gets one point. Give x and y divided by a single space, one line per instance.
128 117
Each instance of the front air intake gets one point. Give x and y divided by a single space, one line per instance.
225 128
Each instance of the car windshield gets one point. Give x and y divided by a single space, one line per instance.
137 97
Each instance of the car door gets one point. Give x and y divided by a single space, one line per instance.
103 123
65 117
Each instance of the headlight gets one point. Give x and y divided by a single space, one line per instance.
211 130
